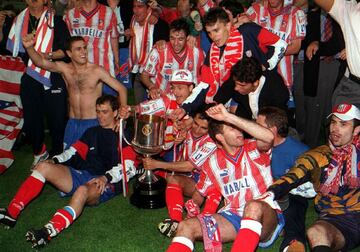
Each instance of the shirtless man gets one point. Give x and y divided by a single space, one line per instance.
84 83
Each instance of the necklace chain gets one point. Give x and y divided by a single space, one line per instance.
33 25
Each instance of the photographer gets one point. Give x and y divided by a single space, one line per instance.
7 15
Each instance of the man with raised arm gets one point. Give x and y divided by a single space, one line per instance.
239 169
84 82
334 171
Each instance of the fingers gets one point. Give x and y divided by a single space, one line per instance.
124 111
154 93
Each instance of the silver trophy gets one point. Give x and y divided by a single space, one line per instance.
148 140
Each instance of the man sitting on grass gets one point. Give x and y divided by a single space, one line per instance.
88 171
195 149
239 169
334 170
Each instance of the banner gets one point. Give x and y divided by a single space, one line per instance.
11 119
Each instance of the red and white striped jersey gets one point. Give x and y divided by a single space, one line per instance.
289 24
239 178
11 119
197 150
160 64
96 27
162 106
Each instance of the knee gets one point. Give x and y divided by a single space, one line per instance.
316 231
254 209
44 168
188 228
82 191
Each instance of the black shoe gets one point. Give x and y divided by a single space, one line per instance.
168 227
6 219
39 238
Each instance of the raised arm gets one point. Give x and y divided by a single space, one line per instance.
105 77
37 58
259 132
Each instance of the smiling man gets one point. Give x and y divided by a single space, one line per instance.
83 81
88 171
253 88
334 171
176 55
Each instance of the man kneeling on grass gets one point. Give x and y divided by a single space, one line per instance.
88 171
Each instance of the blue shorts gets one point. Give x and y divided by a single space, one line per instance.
348 224
75 128
235 220
81 177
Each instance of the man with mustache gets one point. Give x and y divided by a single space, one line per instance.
334 171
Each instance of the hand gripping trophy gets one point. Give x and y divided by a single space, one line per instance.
154 133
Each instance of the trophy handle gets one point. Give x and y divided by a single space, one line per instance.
122 129
132 110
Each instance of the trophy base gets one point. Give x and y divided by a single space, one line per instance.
149 191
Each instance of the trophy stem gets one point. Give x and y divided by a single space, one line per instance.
149 190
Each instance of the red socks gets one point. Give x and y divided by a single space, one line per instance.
63 218
180 244
248 237
174 201
31 188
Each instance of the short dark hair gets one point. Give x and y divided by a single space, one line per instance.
276 117
71 40
114 103
202 111
215 127
180 25
234 6
247 70
214 15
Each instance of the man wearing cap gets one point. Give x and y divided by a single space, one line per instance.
143 36
182 85
334 170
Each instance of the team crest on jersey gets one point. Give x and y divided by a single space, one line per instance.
190 64
101 24
152 58
76 21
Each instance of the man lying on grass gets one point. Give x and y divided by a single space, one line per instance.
88 171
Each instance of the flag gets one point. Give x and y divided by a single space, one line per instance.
11 119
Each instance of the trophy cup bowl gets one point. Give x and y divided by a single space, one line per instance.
149 189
